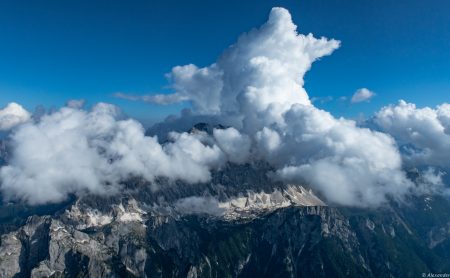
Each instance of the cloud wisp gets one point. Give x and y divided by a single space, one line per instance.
160 99
362 95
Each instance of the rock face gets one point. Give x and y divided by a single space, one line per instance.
295 240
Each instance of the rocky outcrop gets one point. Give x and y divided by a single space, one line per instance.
138 241
239 225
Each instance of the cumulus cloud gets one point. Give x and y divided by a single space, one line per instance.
234 144
362 95
346 164
76 151
162 99
12 115
256 79
262 73
423 133
268 142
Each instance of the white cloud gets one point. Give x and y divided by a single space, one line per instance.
268 142
74 151
12 115
347 164
257 78
258 81
423 132
361 95
235 145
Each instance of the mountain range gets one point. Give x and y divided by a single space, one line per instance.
241 224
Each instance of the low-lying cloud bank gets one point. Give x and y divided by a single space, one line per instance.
75 151
256 87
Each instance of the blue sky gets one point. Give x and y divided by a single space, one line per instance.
52 51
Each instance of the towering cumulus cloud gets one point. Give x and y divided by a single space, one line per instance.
256 86
258 78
